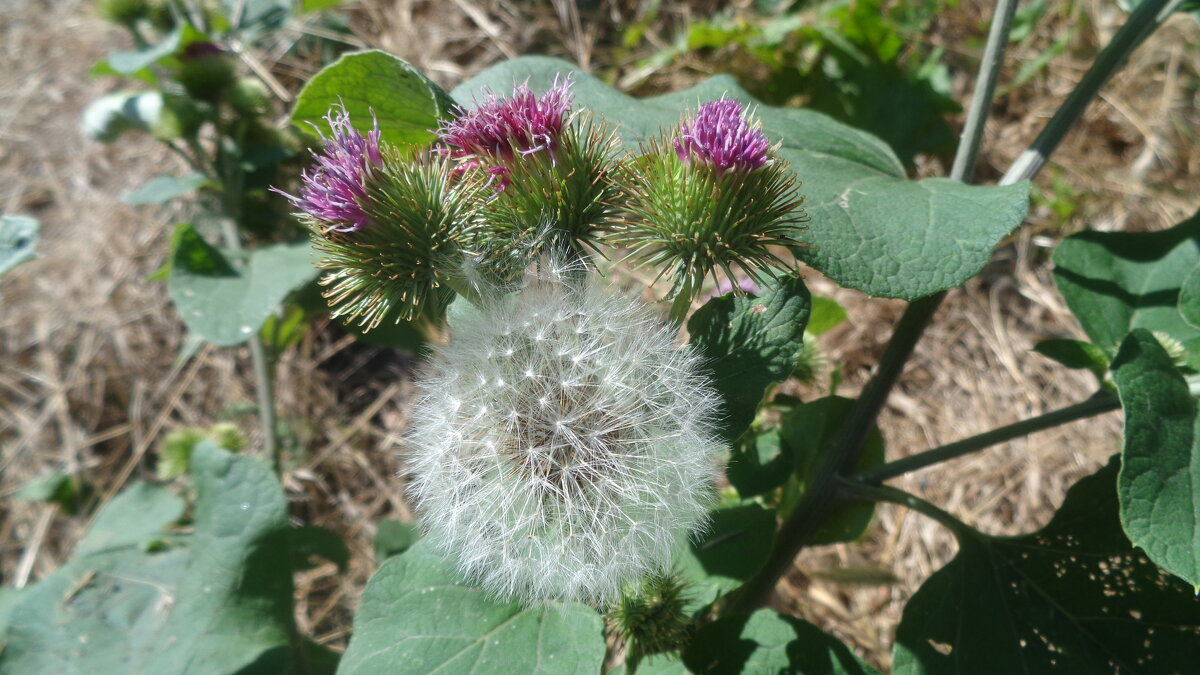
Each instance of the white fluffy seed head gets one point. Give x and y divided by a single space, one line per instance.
561 443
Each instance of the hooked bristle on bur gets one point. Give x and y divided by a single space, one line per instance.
561 442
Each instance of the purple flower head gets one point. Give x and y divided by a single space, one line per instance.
334 189
720 135
507 128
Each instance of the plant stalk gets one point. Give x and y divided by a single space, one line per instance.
1100 403
1147 17
263 380
822 497
985 91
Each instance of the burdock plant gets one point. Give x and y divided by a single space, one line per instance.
711 198
551 170
561 442
390 226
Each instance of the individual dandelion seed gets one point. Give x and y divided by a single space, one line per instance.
546 164
710 199
390 226
561 442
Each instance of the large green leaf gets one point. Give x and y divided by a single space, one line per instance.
214 601
750 343
871 228
226 306
407 104
1075 597
417 616
766 642
808 431
1159 486
735 544
18 238
1117 281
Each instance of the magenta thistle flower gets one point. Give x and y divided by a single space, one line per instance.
719 135
333 190
507 128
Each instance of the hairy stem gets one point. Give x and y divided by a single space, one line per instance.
1148 16
1101 402
985 90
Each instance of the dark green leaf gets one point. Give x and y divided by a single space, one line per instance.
165 188
1075 597
750 343
1159 484
808 430
63 489
393 537
766 642
1189 298
730 550
222 305
418 617
1075 354
759 463
18 239
309 541
871 228
407 104
1117 281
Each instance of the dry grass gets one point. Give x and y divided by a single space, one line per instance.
89 382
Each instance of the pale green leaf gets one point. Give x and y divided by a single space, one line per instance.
226 306
18 239
165 188
417 616
407 105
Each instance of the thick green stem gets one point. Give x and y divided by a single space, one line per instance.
1148 16
1101 402
821 498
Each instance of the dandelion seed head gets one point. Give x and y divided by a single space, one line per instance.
605 455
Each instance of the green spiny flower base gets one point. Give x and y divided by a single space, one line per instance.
694 220
567 198
420 220
652 619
